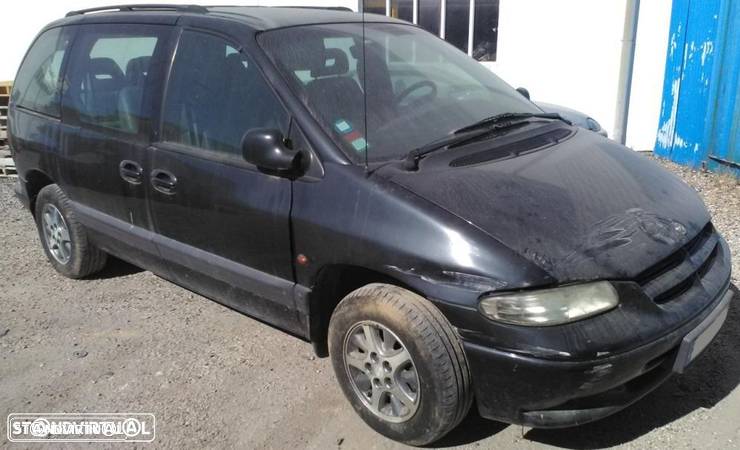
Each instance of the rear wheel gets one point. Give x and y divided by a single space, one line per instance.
63 237
399 363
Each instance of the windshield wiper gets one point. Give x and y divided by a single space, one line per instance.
506 118
471 132
412 158
455 138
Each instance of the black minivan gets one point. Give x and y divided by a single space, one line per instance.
366 186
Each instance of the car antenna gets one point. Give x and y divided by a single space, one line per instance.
364 86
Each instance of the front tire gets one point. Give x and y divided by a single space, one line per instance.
400 363
63 237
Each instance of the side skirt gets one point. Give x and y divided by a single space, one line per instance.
268 298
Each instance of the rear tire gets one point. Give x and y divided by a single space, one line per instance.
63 237
398 320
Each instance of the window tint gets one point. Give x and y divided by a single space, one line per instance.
109 80
38 85
215 95
123 49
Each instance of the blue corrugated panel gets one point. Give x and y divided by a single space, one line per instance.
724 134
699 114
672 79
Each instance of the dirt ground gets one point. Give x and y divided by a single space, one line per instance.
127 341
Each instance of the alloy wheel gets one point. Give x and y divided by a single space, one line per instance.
56 234
381 371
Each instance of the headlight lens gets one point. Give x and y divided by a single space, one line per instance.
551 306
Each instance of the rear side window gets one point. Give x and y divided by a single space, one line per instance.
109 75
38 86
215 95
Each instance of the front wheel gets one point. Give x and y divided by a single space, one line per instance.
400 363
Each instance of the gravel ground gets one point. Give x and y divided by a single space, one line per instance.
127 341
721 194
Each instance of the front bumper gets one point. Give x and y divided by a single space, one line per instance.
544 393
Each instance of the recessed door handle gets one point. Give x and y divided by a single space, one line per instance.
130 171
163 181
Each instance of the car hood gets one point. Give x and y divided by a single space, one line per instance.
586 208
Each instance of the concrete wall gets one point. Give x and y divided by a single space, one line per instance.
564 51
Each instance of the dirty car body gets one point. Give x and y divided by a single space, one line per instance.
531 206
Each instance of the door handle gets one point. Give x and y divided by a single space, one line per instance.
163 181
130 171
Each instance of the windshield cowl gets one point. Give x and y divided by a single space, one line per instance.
490 127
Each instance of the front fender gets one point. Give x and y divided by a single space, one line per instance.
351 218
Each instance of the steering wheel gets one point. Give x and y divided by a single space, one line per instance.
415 87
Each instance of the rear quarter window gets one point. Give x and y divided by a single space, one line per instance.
38 85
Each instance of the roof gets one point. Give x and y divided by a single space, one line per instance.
258 18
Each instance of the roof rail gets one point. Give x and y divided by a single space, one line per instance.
145 7
328 8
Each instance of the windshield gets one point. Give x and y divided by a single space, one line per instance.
419 88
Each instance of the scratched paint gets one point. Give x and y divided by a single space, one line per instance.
451 278
597 374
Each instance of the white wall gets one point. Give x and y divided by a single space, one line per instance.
563 51
567 52
647 84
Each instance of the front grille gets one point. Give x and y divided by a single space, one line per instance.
678 273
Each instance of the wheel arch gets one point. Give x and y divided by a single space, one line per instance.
35 180
332 283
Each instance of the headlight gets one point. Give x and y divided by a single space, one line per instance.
550 306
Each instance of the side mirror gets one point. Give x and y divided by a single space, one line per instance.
524 92
266 149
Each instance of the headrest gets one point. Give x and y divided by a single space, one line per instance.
335 62
137 69
105 66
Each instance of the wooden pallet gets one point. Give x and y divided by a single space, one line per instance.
5 87
7 165
7 168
